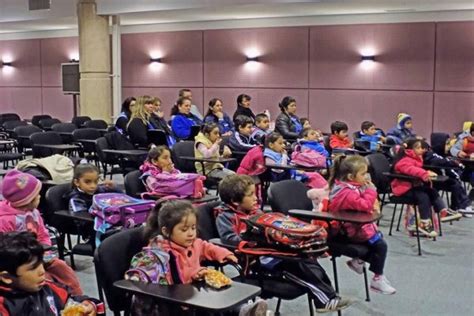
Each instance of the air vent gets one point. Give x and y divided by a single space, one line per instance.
39 5
400 10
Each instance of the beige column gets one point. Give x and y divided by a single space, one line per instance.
94 52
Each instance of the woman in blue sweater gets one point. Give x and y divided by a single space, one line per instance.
183 119
215 114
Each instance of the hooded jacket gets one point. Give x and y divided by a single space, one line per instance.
411 165
12 219
230 224
354 196
336 142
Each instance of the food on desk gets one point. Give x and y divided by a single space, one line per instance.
217 279
73 309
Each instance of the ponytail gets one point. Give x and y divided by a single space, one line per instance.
344 165
335 172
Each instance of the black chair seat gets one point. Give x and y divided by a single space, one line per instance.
83 249
10 156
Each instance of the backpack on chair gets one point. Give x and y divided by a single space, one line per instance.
181 185
307 158
279 234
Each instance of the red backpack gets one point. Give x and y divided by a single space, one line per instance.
279 234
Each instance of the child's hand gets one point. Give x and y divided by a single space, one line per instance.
219 115
227 152
89 308
218 141
383 139
230 258
200 275
462 154
432 174
109 184
168 168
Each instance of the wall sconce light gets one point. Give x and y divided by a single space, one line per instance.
155 60
368 58
73 60
252 58
5 63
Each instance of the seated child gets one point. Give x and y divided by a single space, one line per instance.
158 161
18 212
369 133
241 139
305 122
313 140
207 145
351 189
403 130
237 193
262 128
464 146
172 228
24 287
339 137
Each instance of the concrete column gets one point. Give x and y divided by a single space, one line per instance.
116 66
94 52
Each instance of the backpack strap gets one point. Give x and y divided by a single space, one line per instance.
174 269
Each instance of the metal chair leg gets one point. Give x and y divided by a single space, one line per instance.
393 219
366 281
417 231
400 218
277 310
71 254
310 303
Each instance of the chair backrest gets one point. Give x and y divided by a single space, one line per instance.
10 125
37 118
26 130
378 164
98 124
80 120
63 127
287 195
111 259
326 143
5 117
48 138
48 122
438 142
56 199
206 224
86 133
180 149
133 184
157 137
100 145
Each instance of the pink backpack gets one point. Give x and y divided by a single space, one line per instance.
307 158
180 185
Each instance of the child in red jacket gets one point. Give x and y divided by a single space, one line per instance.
409 161
352 190
339 137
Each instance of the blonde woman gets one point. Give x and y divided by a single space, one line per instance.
140 120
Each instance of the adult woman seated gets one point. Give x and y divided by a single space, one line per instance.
215 114
124 116
142 121
183 119
287 123
243 107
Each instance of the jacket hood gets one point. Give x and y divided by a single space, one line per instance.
340 185
7 209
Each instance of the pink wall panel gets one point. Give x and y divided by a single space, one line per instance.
404 56
181 54
451 109
25 69
24 101
54 52
56 104
168 96
283 58
262 99
381 107
455 56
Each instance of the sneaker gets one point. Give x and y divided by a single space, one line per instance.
426 228
381 285
356 265
257 308
467 210
336 304
448 215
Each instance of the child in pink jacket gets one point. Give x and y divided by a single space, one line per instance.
351 190
18 212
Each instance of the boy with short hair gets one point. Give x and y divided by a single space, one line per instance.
24 289
262 128
368 133
339 136
237 193
241 140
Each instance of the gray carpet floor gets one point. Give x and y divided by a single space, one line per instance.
440 282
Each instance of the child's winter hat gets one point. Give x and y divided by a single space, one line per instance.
20 188
466 126
402 118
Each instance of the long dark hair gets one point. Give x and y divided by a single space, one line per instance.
344 165
410 143
126 105
180 101
212 102
156 152
167 214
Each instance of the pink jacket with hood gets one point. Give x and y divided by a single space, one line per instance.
411 165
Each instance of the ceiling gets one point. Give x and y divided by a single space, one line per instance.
15 17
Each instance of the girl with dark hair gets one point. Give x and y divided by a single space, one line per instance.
243 107
287 123
215 114
124 116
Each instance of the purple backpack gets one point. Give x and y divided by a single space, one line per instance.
118 209
181 185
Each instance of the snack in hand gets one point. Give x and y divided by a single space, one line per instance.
73 309
216 279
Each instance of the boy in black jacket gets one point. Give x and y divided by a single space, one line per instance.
24 289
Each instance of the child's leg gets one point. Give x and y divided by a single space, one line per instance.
220 173
376 256
423 202
435 200
459 198
60 272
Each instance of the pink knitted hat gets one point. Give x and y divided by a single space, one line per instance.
20 188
